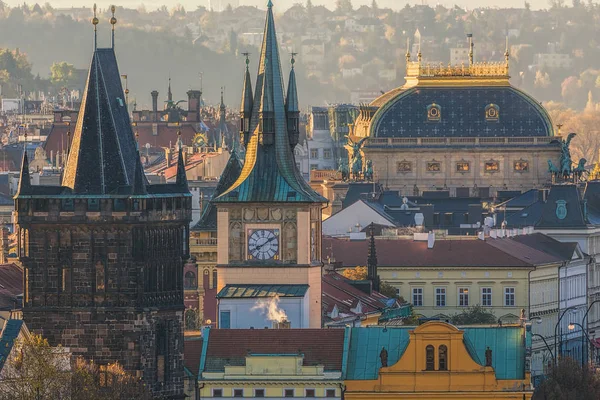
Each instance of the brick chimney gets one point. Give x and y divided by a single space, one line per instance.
154 95
194 105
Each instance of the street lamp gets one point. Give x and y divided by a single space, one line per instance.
588 310
572 326
556 329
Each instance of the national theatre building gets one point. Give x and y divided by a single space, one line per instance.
459 128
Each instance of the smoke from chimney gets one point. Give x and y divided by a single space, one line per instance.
270 308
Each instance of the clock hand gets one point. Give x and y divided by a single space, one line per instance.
268 241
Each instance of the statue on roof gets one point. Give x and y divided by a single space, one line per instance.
368 174
383 355
357 162
343 168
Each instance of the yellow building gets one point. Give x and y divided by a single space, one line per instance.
273 363
443 277
438 361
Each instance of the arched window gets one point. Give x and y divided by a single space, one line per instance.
443 358
100 274
190 280
429 358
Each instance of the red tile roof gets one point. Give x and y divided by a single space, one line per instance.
338 291
192 351
409 253
231 346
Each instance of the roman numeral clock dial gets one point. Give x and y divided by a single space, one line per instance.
263 244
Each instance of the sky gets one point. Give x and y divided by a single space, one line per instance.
281 4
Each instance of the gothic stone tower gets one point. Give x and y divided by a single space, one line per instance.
269 219
103 253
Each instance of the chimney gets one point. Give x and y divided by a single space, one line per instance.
194 105
154 95
168 156
430 240
285 324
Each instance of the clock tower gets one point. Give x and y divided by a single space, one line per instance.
269 219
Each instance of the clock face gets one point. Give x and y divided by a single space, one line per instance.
263 244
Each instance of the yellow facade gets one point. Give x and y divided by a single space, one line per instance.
501 285
412 377
273 375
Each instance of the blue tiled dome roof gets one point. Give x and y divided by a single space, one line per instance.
462 113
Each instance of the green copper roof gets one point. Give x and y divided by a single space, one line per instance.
270 173
254 291
507 345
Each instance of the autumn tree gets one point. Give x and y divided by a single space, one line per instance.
474 315
35 370
569 380
62 74
356 274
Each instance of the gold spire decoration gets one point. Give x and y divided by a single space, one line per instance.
470 36
113 22
95 23
407 50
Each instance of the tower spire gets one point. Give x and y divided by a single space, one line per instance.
407 51
113 22
95 23
291 106
506 54
169 93
246 103
24 180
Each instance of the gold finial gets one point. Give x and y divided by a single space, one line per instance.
247 55
113 20
407 50
558 126
95 19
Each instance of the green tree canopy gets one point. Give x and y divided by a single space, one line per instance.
62 74
474 315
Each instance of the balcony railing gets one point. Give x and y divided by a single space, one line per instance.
463 141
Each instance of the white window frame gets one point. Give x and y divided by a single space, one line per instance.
445 293
293 392
487 294
513 294
233 393
215 389
264 393
461 299
314 391
413 293
330 397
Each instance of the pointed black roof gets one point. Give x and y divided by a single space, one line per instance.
181 178
102 159
291 100
24 180
270 173
247 101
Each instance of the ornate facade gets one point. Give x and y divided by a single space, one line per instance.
462 128
269 219
103 253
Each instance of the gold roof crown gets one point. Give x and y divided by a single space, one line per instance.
492 73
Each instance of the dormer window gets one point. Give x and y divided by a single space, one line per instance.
492 113
434 113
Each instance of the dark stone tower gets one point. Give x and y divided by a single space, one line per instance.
103 253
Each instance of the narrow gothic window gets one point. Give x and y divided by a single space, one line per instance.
100 277
66 278
162 353
214 278
429 358
443 356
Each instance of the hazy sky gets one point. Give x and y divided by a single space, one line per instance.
281 4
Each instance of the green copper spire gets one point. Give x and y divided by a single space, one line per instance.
270 173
